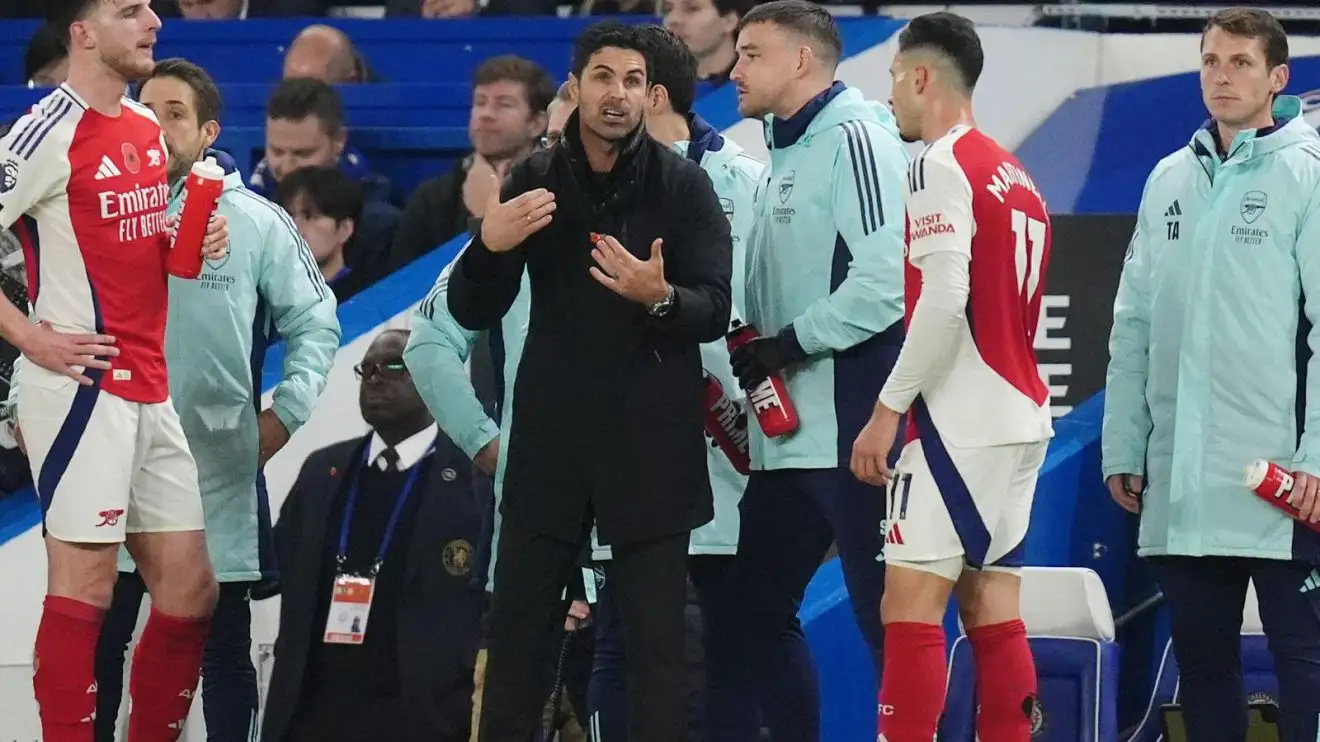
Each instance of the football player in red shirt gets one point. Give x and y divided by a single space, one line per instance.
978 241
83 185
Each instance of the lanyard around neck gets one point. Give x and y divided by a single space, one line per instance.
350 504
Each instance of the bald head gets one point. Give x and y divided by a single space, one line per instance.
324 53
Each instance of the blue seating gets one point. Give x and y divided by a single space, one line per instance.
1071 630
1258 679
398 50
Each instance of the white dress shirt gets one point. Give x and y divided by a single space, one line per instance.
410 450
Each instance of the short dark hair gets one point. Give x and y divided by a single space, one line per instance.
46 47
327 190
206 95
803 18
951 36
535 81
674 64
61 14
296 98
1255 24
605 34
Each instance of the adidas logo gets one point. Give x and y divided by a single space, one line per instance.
1174 209
107 169
894 536
1311 582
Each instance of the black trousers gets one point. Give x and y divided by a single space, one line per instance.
333 714
1205 597
229 680
648 586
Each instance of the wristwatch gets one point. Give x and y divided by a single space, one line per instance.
662 307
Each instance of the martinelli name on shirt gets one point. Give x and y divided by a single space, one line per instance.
1008 175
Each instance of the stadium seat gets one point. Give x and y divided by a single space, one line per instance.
1071 630
1258 678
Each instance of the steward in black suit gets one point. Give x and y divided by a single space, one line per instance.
607 405
411 679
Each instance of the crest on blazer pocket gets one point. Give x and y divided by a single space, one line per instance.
457 557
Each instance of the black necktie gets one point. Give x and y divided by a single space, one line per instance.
389 459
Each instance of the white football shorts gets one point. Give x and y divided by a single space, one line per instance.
104 466
951 509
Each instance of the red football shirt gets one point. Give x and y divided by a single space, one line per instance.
966 193
86 194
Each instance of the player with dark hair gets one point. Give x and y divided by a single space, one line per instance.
978 237
824 287
84 175
627 255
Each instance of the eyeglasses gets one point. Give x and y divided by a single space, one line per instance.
386 370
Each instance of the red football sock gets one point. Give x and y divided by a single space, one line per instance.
912 686
166 665
1005 681
64 681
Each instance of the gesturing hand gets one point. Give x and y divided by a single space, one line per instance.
67 354
507 224
642 281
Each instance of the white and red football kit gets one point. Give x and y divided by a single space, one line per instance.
86 195
978 244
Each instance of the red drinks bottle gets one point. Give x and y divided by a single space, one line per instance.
1272 483
726 422
770 403
200 195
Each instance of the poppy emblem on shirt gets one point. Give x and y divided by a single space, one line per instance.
457 557
8 176
448 475
131 159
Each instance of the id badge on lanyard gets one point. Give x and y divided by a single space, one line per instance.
350 601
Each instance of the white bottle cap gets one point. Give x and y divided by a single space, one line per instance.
208 169
1255 473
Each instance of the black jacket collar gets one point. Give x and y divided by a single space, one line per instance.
628 168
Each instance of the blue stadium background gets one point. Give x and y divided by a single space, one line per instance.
1088 157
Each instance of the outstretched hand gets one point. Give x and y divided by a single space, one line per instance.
642 281
506 224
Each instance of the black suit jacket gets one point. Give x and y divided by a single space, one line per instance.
607 405
439 614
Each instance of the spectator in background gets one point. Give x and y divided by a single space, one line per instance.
205 10
305 127
327 206
410 677
708 27
46 61
263 282
509 99
563 106
327 54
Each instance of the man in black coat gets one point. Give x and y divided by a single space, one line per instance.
628 254
411 678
